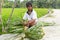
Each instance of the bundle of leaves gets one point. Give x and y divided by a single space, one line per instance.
35 32
16 27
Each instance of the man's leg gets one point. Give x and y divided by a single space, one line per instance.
31 24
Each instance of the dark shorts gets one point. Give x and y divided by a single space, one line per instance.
29 26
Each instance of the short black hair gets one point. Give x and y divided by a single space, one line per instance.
28 3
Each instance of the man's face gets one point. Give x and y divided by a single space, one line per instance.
29 7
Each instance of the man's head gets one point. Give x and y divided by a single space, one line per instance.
29 6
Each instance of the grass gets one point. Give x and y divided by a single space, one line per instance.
19 12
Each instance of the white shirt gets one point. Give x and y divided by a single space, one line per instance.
33 15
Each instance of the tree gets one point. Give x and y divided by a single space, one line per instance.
1 23
8 21
18 4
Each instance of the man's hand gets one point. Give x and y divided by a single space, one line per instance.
29 23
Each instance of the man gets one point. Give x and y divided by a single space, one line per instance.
30 16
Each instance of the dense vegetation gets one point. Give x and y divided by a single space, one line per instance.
36 3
